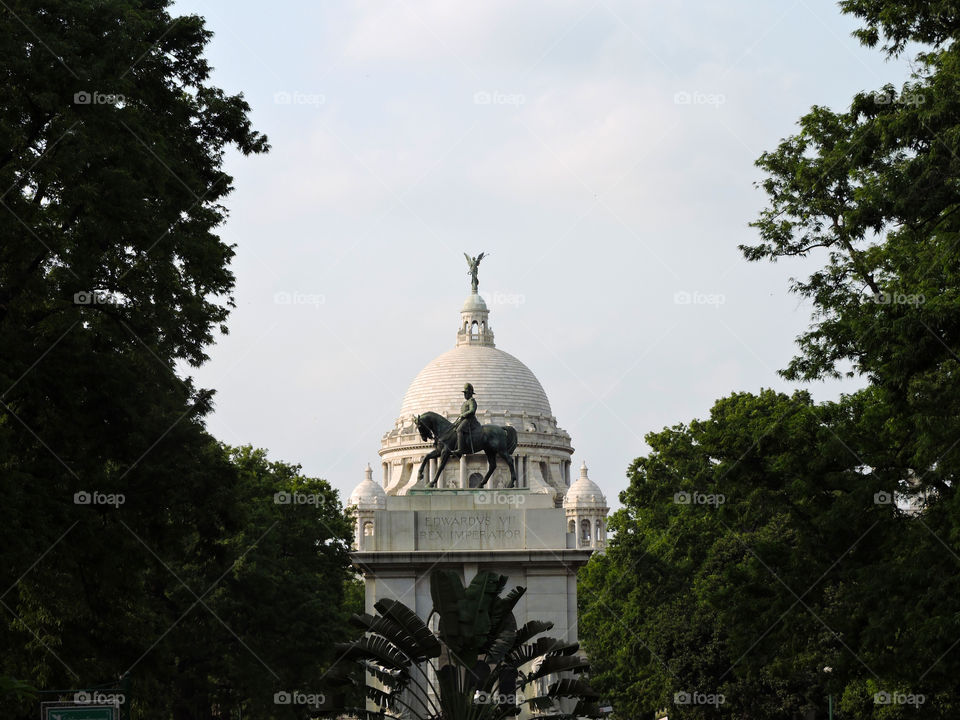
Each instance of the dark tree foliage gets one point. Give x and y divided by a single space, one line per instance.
113 277
756 548
839 542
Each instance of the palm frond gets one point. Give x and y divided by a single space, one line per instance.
386 627
531 629
545 646
374 648
403 616
554 664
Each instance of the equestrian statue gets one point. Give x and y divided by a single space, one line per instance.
466 436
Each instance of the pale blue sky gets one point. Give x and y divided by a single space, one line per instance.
602 152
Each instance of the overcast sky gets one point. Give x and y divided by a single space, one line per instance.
602 152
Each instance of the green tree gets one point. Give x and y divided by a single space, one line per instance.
723 575
113 277
839 540
875 190
110 273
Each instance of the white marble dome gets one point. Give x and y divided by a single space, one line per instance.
507 394
368 494
501 383
584 493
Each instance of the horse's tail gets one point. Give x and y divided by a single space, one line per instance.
511 439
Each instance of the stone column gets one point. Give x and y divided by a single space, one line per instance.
463 471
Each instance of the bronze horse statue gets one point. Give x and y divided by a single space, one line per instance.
494 440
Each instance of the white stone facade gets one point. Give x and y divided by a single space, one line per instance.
537 534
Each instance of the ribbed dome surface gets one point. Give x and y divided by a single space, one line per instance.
584 493
368 494
501 382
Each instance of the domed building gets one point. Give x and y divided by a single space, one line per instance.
507 393
537 533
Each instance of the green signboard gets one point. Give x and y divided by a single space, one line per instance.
72 711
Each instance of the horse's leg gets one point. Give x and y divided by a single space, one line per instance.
427 458
491 466
444 456
513 468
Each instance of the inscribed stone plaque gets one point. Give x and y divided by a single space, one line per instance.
469 530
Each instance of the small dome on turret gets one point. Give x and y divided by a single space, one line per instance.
368 495
584 493
474 303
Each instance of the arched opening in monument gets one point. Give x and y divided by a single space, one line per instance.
572 526
599 530
366 540
585 531
474 330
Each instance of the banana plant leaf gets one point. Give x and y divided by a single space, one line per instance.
572 688
555 664
501 613
387 628
447 593
531 629
475 610
504 642
545 646
403 616
374 648
394 681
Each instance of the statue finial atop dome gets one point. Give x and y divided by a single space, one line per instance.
474 264
474 316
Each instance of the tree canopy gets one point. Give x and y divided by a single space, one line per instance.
838 541
133 541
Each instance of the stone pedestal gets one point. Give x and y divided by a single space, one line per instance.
512 532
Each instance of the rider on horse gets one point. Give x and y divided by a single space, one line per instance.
467 423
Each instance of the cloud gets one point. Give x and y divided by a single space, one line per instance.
428 29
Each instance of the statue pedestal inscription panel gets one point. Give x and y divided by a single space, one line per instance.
513 532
